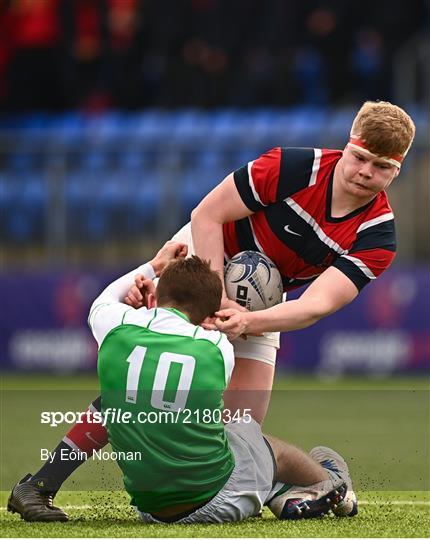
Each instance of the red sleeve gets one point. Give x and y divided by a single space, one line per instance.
265 175
257 182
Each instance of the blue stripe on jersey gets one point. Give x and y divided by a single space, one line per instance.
241 180
295 170
352 272
299 236
244 235
381 236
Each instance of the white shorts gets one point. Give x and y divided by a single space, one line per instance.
262 349
250 485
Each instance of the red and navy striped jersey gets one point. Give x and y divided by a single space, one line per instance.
290 190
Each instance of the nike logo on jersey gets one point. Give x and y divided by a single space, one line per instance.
288 230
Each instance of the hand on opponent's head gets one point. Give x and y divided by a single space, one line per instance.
138 294
226 304
232 321
170 251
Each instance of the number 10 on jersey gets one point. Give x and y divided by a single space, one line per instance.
165 361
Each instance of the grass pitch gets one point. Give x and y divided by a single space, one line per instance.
102 514
380 426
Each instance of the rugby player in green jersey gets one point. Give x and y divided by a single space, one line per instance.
162 379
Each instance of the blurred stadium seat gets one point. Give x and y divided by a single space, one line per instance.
153 127
24 201
119 173
95 161
190 126
131 160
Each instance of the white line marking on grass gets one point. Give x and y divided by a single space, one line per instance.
393 503
362 503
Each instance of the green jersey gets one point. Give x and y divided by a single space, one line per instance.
162 380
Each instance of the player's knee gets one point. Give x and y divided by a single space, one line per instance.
279 450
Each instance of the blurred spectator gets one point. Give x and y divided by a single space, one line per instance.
86 41
258 77
367 65
310 76
125 27
131 54
5 49
33 74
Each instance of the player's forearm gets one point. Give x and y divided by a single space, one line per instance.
327 294
291 315
117 290
208 240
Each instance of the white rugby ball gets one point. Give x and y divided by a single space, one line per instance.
253 281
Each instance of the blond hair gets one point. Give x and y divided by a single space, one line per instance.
386 129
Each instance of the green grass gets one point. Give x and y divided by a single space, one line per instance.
380 426
108 515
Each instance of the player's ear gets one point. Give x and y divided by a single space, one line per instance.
151 301
208 320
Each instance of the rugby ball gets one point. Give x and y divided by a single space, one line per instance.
253 281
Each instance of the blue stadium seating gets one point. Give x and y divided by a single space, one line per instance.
25 201
96 161
154 127
123 172
189 127
134 160
195 184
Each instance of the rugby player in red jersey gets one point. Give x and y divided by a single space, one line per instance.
322 216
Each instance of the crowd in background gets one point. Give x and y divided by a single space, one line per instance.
132 54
